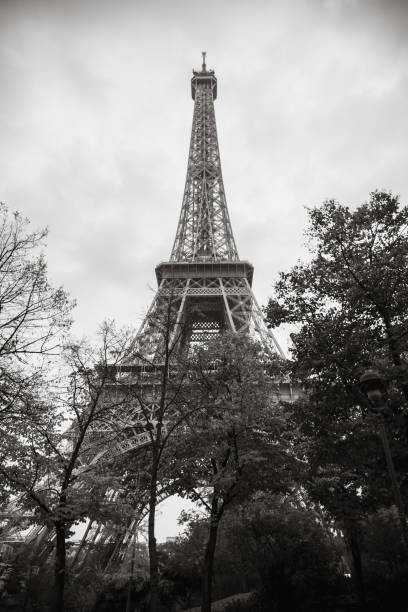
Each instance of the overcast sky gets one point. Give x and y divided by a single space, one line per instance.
95 120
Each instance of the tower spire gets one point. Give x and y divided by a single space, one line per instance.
204 231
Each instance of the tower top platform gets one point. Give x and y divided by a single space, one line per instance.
204 78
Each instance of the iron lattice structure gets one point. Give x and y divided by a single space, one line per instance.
204 231
203 288
209 285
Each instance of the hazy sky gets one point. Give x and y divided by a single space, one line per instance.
95 119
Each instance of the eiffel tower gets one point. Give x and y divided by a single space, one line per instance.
206 284
210 286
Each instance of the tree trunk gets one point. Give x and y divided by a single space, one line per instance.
357 567
209 558
153 563
132 575
59 568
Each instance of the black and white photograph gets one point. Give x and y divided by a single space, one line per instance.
204 306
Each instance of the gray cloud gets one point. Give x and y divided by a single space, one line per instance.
95 118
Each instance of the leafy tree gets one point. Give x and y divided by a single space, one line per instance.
357 278
235 442
271 545
180 563
349 305
296 558
50 463
385 561
159 385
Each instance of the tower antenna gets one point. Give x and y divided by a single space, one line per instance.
204 53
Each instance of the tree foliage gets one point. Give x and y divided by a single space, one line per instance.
355 287
47 463
349 305
235 442
272 546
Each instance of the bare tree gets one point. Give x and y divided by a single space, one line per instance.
34 316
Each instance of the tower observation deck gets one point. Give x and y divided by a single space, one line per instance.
209 285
